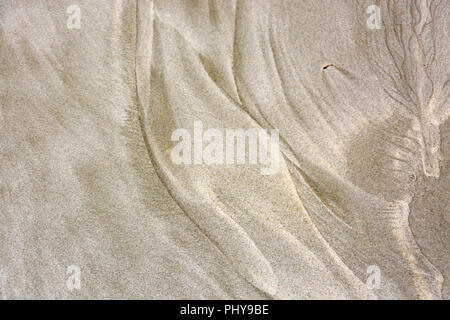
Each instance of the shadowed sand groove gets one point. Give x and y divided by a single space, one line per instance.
87 178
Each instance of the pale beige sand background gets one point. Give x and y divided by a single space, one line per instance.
85 171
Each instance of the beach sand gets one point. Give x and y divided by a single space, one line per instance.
87 178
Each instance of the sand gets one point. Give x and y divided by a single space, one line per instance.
87 179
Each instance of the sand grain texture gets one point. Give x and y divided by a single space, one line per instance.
86 176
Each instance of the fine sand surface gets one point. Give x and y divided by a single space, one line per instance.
87 179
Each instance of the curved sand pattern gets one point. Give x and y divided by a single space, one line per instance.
87 178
